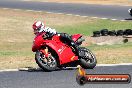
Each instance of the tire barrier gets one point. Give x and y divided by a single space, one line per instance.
96 34
128 32
106 32
112 33
119 32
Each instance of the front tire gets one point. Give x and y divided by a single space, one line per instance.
88 61
47 64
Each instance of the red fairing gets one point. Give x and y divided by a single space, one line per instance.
37 42
75 37
63 51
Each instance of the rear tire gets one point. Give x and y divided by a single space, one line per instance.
89 60
41 61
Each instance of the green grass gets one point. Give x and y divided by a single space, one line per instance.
118 53
88 28
115 46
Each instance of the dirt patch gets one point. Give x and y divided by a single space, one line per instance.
17 62
110 49
112 56
105 40
103 2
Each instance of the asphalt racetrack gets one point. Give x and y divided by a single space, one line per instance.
60 79
102 11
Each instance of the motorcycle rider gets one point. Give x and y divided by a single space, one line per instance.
39 27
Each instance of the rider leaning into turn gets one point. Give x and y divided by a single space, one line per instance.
39 27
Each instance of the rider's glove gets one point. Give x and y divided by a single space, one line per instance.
49 35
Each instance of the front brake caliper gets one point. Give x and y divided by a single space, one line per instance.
45 52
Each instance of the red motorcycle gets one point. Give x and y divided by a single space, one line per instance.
53 53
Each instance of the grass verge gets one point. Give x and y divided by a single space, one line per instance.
87 28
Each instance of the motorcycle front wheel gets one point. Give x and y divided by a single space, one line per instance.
46 63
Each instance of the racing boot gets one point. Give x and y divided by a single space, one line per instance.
76 48
70 42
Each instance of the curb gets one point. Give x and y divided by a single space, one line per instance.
121 64
6 70
38 69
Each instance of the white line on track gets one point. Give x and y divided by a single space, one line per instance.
84 16
104 18
69 14
60 13
113 19
5 70
94 17
98 65
49 12
114 64
17 9
5 8
66 14
30 10
39 11
122 20
77 15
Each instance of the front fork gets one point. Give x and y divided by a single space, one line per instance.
45 52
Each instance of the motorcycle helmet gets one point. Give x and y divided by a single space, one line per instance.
37 26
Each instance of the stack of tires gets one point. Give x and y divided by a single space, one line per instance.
106 32
96 34
128 32
119 32
112 33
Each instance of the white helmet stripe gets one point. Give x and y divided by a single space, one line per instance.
38 23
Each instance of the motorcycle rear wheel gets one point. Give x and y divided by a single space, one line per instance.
47 64
89 60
